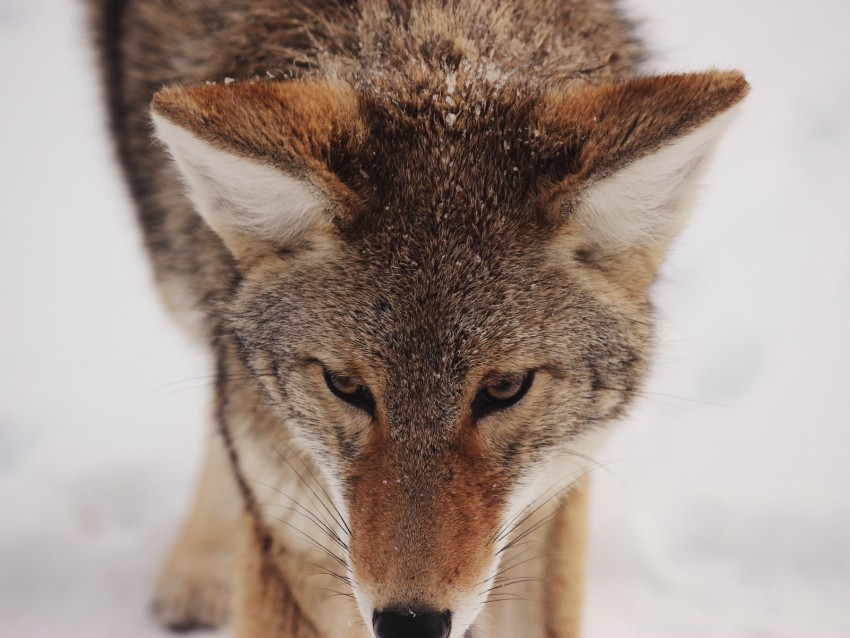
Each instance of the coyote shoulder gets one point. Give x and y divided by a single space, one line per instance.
418 237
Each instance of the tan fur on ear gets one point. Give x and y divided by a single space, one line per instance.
604 126
259 158
627 159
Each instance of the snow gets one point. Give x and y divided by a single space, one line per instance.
722 509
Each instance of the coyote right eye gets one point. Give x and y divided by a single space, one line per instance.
501 393
347 390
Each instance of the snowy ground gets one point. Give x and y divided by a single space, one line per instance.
724 510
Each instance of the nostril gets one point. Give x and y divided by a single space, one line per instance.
411 624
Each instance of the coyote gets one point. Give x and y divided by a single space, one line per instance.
419 238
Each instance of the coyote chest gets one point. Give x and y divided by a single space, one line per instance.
418 237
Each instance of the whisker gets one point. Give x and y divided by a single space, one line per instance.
546 518
515 565
514 581
531 529
328 532
286 460
312 516
508 526
505 568
312 502
312 541
335 593
512 527
319 484
348 581
206 377
653 395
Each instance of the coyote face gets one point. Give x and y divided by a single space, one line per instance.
444 312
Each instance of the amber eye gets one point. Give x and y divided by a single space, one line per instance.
504 389
501 393
353 393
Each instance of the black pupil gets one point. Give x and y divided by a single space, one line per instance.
357 395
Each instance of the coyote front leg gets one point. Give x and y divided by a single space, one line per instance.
194 588
265 605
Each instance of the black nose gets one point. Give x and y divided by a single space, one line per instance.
410 624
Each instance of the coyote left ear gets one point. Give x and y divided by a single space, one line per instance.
257 156
632 152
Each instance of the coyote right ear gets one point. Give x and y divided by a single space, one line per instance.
256 155
633 151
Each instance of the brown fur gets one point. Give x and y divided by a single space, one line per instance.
453 145
612 123
292 125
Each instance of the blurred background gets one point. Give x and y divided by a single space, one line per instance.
724 505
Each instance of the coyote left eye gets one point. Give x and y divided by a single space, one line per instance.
346 389
501 393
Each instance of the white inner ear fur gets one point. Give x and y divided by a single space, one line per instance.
233 193
647 201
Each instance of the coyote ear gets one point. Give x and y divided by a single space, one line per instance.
635 150
256 156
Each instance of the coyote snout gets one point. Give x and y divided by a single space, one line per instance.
424 528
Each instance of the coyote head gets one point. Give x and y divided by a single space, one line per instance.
445 300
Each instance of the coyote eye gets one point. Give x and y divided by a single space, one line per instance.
501 393
345 388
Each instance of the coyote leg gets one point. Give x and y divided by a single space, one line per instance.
567 541
265 605
194 587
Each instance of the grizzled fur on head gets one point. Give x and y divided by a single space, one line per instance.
429 197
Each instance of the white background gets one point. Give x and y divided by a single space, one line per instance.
724 508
